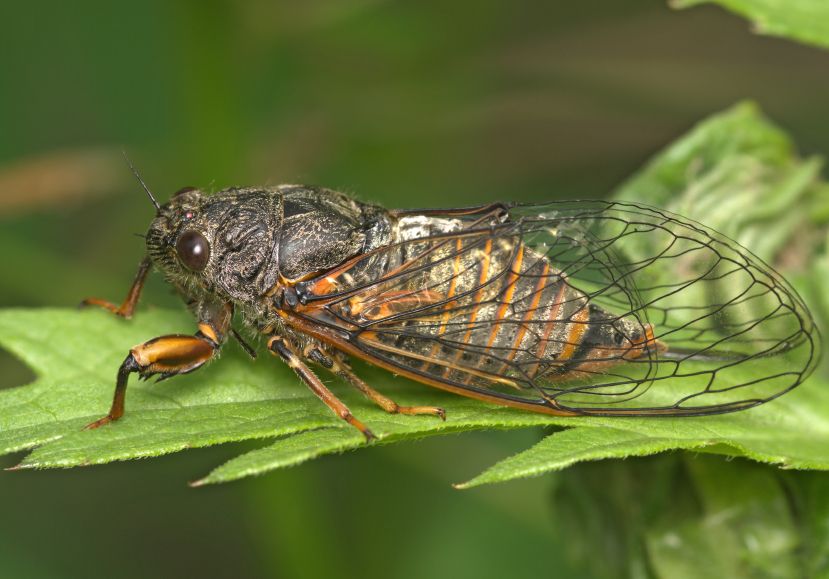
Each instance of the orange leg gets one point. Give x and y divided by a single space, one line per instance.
380 400
126 309
165 356
280 347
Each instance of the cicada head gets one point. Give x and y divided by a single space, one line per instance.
239 243
178 240
222 243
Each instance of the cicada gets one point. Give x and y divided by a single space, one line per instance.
595 308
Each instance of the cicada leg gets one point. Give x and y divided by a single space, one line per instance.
168 356
384 402
280 347
127 307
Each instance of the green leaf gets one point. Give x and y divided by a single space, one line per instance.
573 445
737 173
775 434
686 516
736 158
803 20
743 528
75 355
288 451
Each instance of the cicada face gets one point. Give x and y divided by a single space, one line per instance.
217 245
180 240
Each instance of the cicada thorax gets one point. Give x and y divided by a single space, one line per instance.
478 304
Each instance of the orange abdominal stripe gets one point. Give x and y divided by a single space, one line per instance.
575 333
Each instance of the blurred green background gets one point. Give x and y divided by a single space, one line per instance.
405 104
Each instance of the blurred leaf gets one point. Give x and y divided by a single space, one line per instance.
59 178
26 285
606 507
743 526
809 494
738 173
815 290
683 516
75 355
803 20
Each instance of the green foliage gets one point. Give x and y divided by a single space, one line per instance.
684 516
688 516
75 355
737 173
803 20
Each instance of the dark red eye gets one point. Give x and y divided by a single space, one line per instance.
193 250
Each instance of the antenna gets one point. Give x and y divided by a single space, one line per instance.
140 180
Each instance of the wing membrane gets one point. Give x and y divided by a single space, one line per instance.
591 307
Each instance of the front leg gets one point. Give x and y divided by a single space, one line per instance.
171 355
127 307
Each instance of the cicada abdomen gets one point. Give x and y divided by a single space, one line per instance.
591 308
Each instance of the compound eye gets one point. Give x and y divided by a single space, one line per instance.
193 250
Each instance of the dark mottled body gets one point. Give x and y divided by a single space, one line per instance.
262 241
565 308
258 236
268 245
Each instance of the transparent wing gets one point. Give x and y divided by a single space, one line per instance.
591 307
